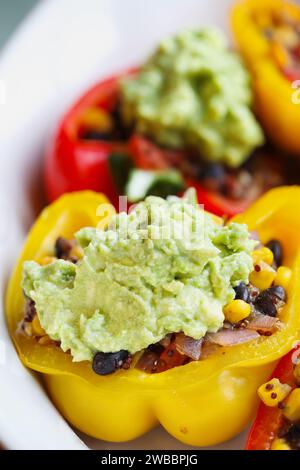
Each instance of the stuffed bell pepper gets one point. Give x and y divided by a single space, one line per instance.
166 314
277 423
184 118
267 35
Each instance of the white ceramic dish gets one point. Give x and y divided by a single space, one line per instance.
61 48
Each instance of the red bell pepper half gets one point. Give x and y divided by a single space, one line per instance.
73 163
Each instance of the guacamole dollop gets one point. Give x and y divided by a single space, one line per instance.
194 92
165 267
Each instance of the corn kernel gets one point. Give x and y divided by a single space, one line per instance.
283 277
262 276
280 444
47 260
263 254
292 406
37 328
273 392
236 311
97 119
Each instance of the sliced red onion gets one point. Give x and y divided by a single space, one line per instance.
253 234
264 324
232 337
166 341
188 346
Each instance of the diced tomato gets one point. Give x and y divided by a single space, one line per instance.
170 358
148 156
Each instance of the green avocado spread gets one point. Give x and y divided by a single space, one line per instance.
165 267
194 92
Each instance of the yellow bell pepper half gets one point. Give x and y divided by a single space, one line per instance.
201 403
277 110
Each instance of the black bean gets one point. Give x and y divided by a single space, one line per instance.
29 310
213 171
269 300
120 131
242 292
156 348
276 247
107 363
293 437
278 291
285 427
265 305
63 248
96 135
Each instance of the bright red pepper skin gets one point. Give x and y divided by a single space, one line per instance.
72 164
269 420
